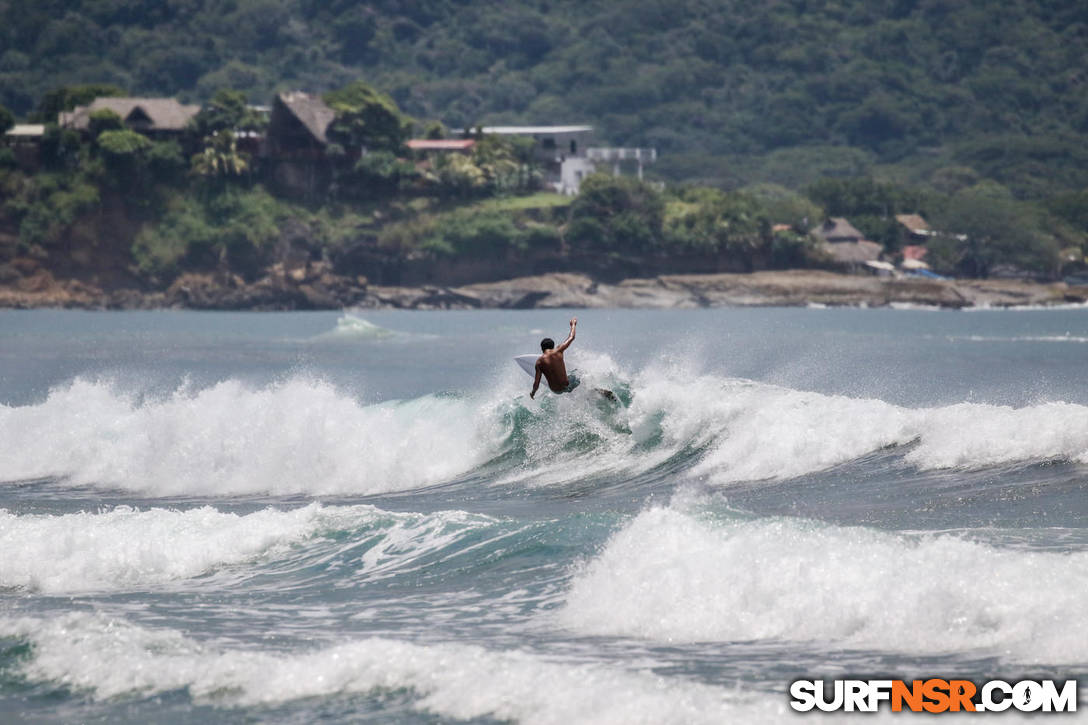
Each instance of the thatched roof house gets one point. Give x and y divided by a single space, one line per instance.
147 115
299 123
853 253
914 224
837 229
845 244
295 153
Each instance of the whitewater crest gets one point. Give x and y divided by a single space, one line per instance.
671 576
303 436
298 436
110 658
351 327
127 549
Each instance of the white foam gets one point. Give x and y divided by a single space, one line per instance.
671 577
752 431
299 436
771 432
302 436
127 549
1026 338
755 431
109 658
915 306
986 307
352 327
976 436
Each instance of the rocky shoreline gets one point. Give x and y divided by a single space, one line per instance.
317 287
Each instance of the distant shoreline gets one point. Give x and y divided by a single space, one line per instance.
788 288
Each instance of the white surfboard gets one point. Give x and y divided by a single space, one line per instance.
527 363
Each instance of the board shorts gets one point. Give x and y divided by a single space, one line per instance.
573 382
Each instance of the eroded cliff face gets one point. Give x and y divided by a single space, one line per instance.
317 286
91 266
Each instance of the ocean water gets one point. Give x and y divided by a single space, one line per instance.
352 517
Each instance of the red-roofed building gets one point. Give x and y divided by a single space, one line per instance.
914 251
441 144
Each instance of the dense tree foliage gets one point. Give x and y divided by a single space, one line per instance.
719 88
227 110
122 147
65 98
995 229
768 116
103 120
616 214
220 157
7 120
365 117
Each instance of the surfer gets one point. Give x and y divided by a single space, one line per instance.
550 364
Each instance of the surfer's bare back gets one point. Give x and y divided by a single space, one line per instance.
551 364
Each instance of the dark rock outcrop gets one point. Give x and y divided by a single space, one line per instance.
310 285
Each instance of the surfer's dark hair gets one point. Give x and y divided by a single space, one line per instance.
547 343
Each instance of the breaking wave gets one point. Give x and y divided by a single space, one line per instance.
109 658
297 436
669 576
303 436
127 549
352 327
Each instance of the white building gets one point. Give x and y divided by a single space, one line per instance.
565 154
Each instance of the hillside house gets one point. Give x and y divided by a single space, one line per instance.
560 150
836 230
441 145
564 154
427 151
155 117
298 126
25 140
296 143
554 143
916 227
845 244
618 156
914 251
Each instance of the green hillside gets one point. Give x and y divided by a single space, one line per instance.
768 117
731 93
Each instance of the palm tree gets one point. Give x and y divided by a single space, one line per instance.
220 157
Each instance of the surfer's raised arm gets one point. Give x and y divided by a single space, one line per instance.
570 337
550 364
